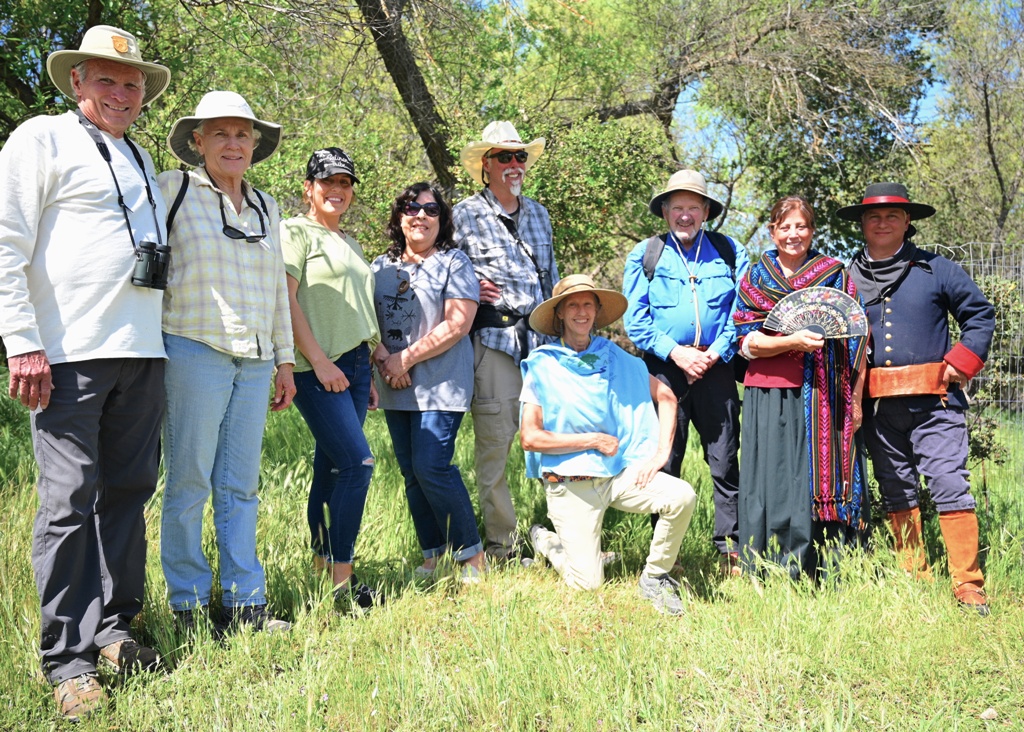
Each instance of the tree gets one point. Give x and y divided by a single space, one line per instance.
972 164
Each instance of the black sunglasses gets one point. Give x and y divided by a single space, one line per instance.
505 156
233 233
411 208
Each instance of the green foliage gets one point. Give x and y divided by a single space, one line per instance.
972 164
596 180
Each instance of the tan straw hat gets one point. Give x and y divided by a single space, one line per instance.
113 44
613 304
214 105
686 180
502 135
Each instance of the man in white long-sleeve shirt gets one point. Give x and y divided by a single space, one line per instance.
81 243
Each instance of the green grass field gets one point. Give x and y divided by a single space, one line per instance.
521 652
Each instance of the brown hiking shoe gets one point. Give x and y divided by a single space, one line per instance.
973 598
127 656
79 697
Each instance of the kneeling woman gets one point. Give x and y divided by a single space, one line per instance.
591 433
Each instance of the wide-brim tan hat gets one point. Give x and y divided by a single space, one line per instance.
502 135
113 44
687 180
613 304
218 104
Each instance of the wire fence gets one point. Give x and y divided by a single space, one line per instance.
997 393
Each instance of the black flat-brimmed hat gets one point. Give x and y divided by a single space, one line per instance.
885 195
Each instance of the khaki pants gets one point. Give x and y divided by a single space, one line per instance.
498 382
577 510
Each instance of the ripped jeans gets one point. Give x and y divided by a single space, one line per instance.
577 510
342 462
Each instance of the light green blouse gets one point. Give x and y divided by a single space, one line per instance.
335 287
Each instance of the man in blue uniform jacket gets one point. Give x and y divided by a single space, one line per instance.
914 422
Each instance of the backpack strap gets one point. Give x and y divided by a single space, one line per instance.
721 243
177 201
655 246
725 250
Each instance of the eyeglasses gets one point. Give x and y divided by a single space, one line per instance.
411 208
233 233
505 156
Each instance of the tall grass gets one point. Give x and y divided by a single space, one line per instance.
520 651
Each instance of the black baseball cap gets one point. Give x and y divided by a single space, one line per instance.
330 161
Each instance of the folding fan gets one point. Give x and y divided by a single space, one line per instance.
823 310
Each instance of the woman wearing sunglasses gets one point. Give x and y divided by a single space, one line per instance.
426 296
226 325
330 288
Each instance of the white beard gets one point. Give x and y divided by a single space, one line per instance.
516 186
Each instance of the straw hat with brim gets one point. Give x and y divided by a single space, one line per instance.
686 180
218 104
613 304
112 44
501 135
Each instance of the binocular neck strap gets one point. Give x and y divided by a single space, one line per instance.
101 145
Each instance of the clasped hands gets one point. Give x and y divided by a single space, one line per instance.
693 361
393 368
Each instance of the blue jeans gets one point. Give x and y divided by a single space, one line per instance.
438 500
342 462
216 410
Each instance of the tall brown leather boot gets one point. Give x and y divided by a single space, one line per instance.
960 532
906 530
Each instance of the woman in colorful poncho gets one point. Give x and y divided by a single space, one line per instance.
801 472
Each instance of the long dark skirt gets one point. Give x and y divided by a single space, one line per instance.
775 497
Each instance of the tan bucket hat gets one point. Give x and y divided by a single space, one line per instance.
217 104
503 135
113 44
613 304
687 180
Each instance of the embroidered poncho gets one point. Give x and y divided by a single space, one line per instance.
836 477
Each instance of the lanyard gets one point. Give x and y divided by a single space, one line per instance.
101 145
693 280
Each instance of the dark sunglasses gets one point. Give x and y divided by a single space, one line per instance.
411 208
505 156
232 233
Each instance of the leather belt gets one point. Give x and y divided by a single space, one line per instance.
890 381
555 478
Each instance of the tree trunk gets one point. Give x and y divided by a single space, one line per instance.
385 22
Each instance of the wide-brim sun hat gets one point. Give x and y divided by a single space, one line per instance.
687 180
112 44
613 304
885 195
214 105
503 135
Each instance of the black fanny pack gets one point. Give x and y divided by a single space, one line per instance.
488 316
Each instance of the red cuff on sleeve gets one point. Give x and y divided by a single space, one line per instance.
963 359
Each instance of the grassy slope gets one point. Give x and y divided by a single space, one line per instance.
521 652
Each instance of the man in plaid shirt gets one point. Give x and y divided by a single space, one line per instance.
508 238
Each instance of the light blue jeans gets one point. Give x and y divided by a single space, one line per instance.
213 433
